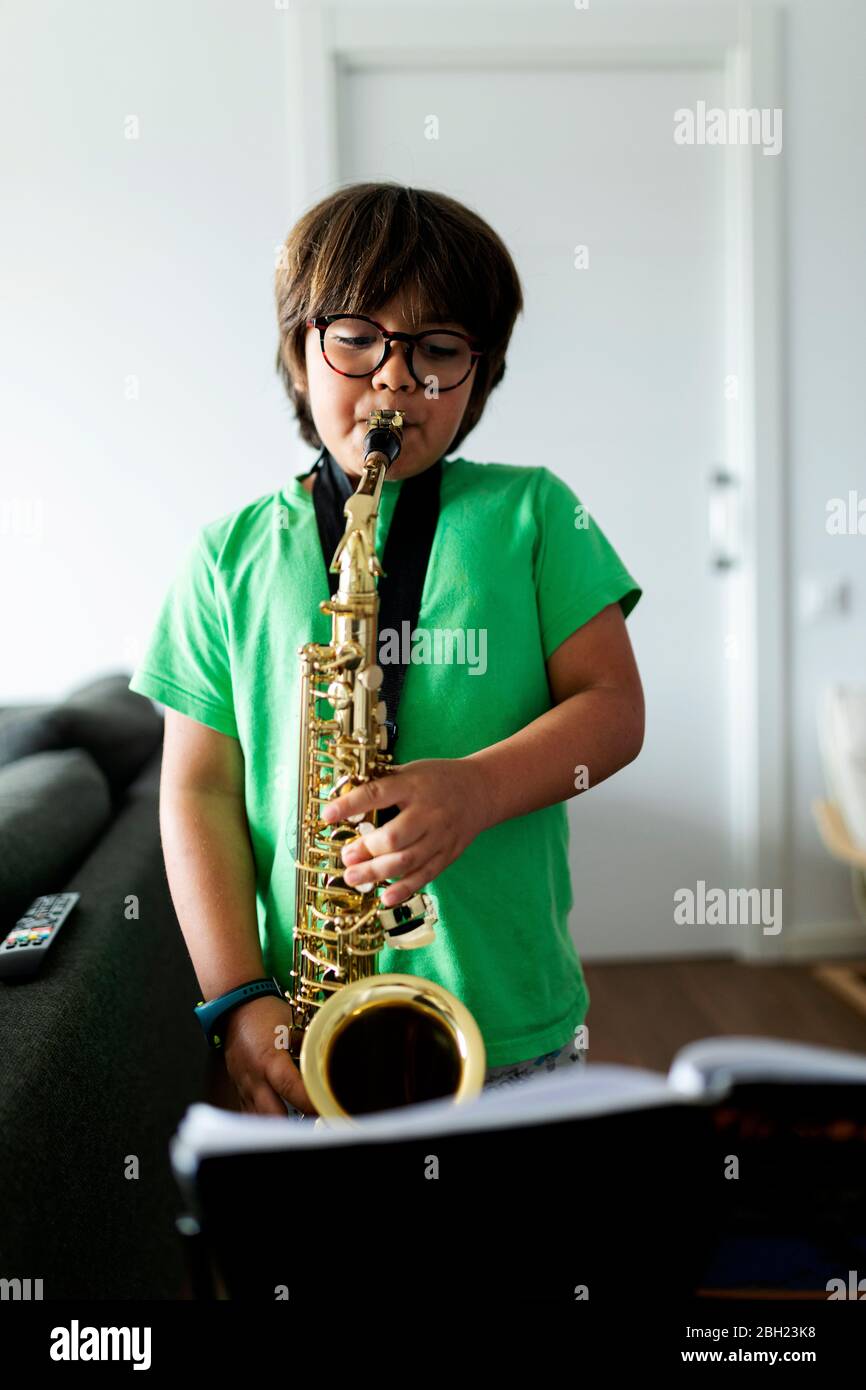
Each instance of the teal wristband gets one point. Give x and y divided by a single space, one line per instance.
211 1013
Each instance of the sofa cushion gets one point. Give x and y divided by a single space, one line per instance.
120 729
53 807
10 714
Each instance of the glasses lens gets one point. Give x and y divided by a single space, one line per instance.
353 346
443 358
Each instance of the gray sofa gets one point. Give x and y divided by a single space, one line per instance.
101 1051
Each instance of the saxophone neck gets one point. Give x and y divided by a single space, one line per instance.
382 444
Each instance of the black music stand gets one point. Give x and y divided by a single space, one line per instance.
609 1177
586 1180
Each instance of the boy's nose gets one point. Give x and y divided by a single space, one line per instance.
394 372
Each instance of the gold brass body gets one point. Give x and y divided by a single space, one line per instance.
364 1041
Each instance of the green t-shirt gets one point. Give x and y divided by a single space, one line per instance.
517 565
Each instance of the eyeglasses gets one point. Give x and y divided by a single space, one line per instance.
354 345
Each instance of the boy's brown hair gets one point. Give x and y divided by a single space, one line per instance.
369 241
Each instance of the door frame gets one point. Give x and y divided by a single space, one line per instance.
743 41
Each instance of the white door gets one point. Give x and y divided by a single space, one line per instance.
615 381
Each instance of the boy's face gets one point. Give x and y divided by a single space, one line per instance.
340 405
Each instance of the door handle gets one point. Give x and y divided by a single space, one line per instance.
723 520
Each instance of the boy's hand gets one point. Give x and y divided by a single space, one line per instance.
264 1074
442 809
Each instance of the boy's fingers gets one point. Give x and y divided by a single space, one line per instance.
404 888
285 1078
379 791
391 863
356 851
342 807
397 835
265 1101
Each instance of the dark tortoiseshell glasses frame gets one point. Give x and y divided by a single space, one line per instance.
322 321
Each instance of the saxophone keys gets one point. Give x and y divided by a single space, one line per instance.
411 940
372 676
339 694
381 712
410 924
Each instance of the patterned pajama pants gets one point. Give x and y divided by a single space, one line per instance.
567 1055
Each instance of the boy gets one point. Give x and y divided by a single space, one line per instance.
486 757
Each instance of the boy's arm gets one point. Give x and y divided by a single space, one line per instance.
597 722
208 855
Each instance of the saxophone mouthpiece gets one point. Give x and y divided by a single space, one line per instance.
384 435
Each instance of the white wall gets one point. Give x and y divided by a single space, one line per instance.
149 259
152 259
826 171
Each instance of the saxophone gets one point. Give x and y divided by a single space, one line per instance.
364 1041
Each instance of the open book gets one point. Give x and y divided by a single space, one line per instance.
701 1073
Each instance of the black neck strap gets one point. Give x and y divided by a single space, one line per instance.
407 553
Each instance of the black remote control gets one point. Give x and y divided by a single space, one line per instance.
25 947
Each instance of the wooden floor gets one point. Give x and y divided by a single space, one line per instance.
640 1014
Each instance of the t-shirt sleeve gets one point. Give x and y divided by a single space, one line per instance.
186 664
577 570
